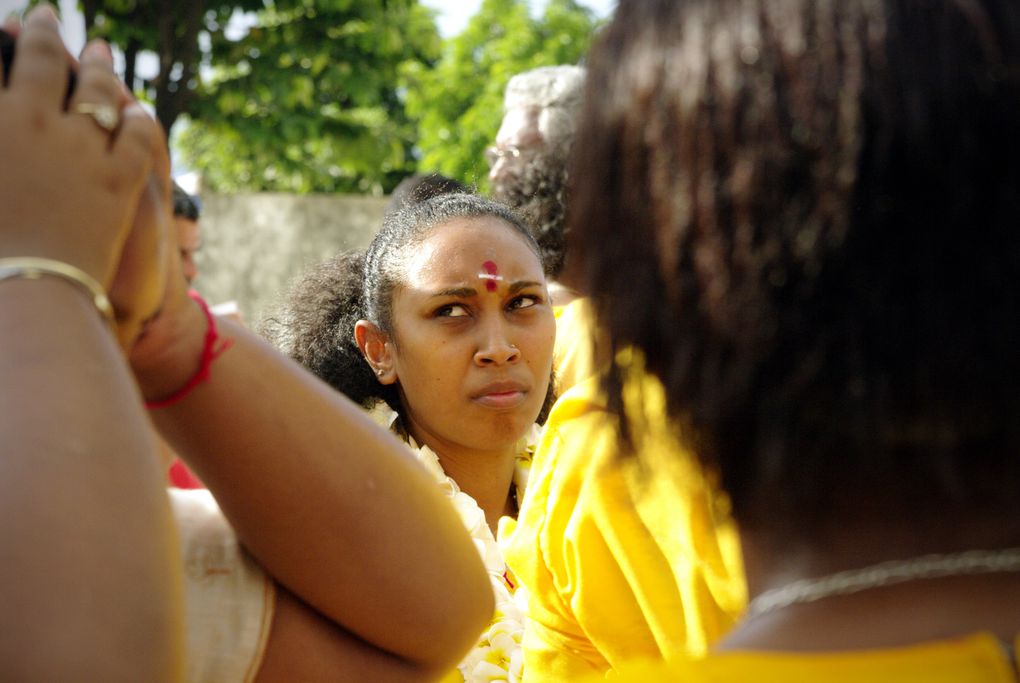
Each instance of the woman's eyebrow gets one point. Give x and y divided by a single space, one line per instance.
523 284
466 292
462 292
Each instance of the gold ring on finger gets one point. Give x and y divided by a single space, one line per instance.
105 116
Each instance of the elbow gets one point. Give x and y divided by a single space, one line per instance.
480 606
466 613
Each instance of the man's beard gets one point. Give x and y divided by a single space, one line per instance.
538 194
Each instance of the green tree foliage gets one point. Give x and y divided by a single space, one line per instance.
308 101
168 28
458 104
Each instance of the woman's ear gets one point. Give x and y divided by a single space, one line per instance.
375 347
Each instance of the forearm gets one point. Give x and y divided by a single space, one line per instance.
87 524
340 656
331 505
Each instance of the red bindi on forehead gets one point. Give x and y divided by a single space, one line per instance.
491 275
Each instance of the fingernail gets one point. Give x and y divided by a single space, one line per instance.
42 13
98 48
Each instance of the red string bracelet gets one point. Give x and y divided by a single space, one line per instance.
212 348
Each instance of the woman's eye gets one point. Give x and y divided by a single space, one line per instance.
524 302
452 311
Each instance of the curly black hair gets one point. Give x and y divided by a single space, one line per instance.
538 194
315 326
806 214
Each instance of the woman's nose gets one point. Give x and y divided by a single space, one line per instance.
495 347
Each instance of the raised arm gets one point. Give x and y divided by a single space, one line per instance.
330 504
90 586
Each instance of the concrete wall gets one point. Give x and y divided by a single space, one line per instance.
253 245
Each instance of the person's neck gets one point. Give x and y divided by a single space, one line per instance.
485 475
889 616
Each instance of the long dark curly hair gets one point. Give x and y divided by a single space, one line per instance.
807 216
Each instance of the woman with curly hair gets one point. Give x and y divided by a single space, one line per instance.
446 321
821 202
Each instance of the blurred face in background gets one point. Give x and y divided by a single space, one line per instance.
189 241
518 142
528 172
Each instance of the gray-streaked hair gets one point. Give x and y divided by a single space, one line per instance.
555 90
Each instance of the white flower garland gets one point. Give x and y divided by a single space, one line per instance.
498 655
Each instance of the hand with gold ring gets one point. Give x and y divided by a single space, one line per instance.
91 549
105 116
137 287
70 183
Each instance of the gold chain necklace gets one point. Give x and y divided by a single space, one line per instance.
851 581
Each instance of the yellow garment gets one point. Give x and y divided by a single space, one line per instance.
574 353
978 658
618 565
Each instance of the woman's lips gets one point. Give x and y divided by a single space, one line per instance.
505 394
501 399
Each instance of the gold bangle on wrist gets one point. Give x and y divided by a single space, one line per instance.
33 268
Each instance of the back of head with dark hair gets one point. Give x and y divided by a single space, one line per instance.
316 325
806 215
420 187
185 205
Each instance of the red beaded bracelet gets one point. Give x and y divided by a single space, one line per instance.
211 350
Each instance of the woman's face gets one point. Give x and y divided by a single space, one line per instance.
473 334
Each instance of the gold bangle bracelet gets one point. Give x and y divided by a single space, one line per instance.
33 268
